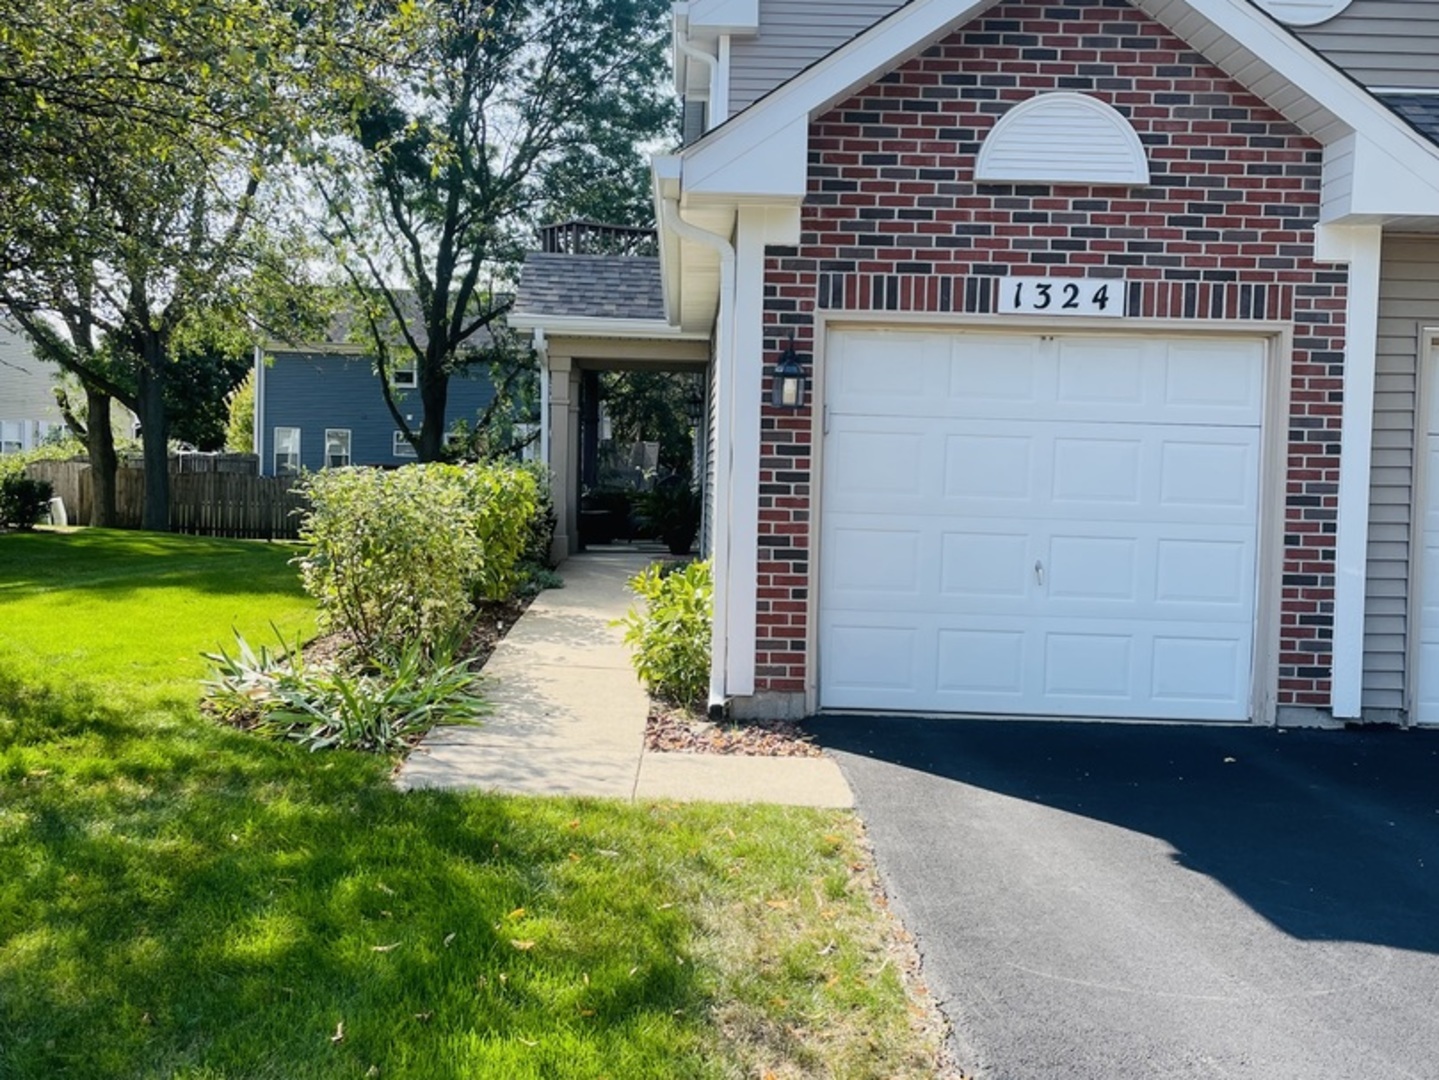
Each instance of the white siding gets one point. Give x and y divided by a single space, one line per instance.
792 35
25 385
1408 301
1383 42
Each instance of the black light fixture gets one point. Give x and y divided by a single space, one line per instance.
787 390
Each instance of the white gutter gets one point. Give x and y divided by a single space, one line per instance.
724 440
542 350
598 326
1360 247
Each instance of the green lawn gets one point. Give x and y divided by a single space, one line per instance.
182 900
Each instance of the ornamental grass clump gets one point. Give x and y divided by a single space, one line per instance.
400 556
671 635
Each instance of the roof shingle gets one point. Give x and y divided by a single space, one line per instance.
592 286
1420 110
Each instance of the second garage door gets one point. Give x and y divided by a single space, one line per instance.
1040 525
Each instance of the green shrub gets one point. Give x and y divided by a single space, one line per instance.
383 707
400 556
671 636
23 501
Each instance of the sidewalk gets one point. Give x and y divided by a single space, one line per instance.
569 715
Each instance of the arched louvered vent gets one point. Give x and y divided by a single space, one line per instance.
1303 12
1062 139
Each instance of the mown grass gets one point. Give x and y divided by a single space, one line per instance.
181 900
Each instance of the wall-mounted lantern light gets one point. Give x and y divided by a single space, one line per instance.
787 391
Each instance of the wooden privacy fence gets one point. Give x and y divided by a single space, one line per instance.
205 503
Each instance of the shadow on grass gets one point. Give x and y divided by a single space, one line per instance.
180 898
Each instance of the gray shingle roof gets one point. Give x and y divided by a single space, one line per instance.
1420 110
593 286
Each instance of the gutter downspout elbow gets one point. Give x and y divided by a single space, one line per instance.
711 61
724 440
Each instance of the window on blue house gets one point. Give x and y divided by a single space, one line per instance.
287 451
337 448
403 376
403 447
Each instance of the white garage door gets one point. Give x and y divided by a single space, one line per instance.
1039 525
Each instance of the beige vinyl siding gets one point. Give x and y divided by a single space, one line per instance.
1408 302
792 35
1383 42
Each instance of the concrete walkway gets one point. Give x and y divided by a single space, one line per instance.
569 715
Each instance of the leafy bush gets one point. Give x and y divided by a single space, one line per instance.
671 637
399 556
23 501
382 708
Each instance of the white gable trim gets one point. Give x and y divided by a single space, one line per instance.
1263 55
1304 12
1062 138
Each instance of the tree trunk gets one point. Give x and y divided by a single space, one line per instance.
434 395
100 441
155 437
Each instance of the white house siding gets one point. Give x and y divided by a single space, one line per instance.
26 397
1408 302
1383 43
792 35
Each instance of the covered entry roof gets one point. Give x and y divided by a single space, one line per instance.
593 286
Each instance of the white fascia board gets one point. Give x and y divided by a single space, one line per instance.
723 17
1384 185
773 168
597 326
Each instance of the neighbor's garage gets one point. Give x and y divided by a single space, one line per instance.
1029 524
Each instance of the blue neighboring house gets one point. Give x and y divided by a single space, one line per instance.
322 406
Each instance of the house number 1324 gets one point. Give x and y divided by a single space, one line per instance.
1061 296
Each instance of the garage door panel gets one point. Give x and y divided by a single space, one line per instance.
1079 522
874 559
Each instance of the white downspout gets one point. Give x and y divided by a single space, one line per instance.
719 85
542 350
694 52
724 441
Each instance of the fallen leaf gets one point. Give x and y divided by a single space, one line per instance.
385 948
384 888
339 1035
574 856
633 970
575 824
518 913
449 938
827 949
587 1012
523 946
528 1043
424 1017
607 853
779 905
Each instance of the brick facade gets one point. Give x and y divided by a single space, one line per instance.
894 222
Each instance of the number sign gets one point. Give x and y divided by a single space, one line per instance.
1062 296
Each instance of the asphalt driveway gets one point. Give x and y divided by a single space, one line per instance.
1136 902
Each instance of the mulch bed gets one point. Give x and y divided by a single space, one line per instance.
676 730
493 620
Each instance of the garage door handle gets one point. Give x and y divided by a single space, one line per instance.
1038 572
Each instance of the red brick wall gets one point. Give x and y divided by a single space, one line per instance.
894 222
